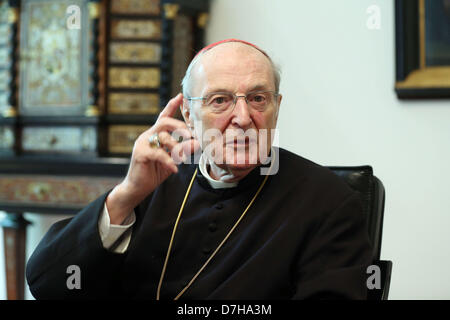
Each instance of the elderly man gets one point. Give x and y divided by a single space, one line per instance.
245 221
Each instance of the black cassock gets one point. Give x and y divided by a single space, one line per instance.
304 237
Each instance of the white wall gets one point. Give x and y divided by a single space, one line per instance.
339 108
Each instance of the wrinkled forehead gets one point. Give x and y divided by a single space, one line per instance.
212 45
232 59
234 49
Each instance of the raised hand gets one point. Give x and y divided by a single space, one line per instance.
150 166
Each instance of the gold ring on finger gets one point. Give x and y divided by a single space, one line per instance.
154 141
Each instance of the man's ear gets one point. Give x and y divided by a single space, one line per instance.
186 113
278 105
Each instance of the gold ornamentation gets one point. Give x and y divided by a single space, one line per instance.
133 103
136 6
121 138
202 20
92 111
13 15
53 191
136 29
94 10
135 52
422 57
171 10
134 77
154 142
40 190
9 112
429 77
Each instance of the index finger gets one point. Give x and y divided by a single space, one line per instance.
171 107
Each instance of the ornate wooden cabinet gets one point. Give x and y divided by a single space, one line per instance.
79 81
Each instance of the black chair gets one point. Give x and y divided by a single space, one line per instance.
362 180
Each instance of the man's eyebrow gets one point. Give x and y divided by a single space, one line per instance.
213 90
258 87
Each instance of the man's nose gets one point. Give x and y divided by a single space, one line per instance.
241 114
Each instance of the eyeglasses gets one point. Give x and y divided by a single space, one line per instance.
220 102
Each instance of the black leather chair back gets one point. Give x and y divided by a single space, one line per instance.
372 192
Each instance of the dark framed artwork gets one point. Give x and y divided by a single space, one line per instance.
422 48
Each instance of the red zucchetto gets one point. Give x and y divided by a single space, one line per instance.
212 45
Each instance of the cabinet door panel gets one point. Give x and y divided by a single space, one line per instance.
134 52
55 67
6 138
67 139
134 77
121 138
136 7
136 29
133 103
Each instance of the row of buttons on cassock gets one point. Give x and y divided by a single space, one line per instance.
212 227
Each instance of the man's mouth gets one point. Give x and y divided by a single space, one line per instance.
240 141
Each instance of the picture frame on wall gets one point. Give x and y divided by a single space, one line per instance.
422 38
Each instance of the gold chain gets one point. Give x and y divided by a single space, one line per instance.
215 251
173 235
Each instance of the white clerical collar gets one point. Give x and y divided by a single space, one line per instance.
215 184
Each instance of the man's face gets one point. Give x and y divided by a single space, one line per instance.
239 69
